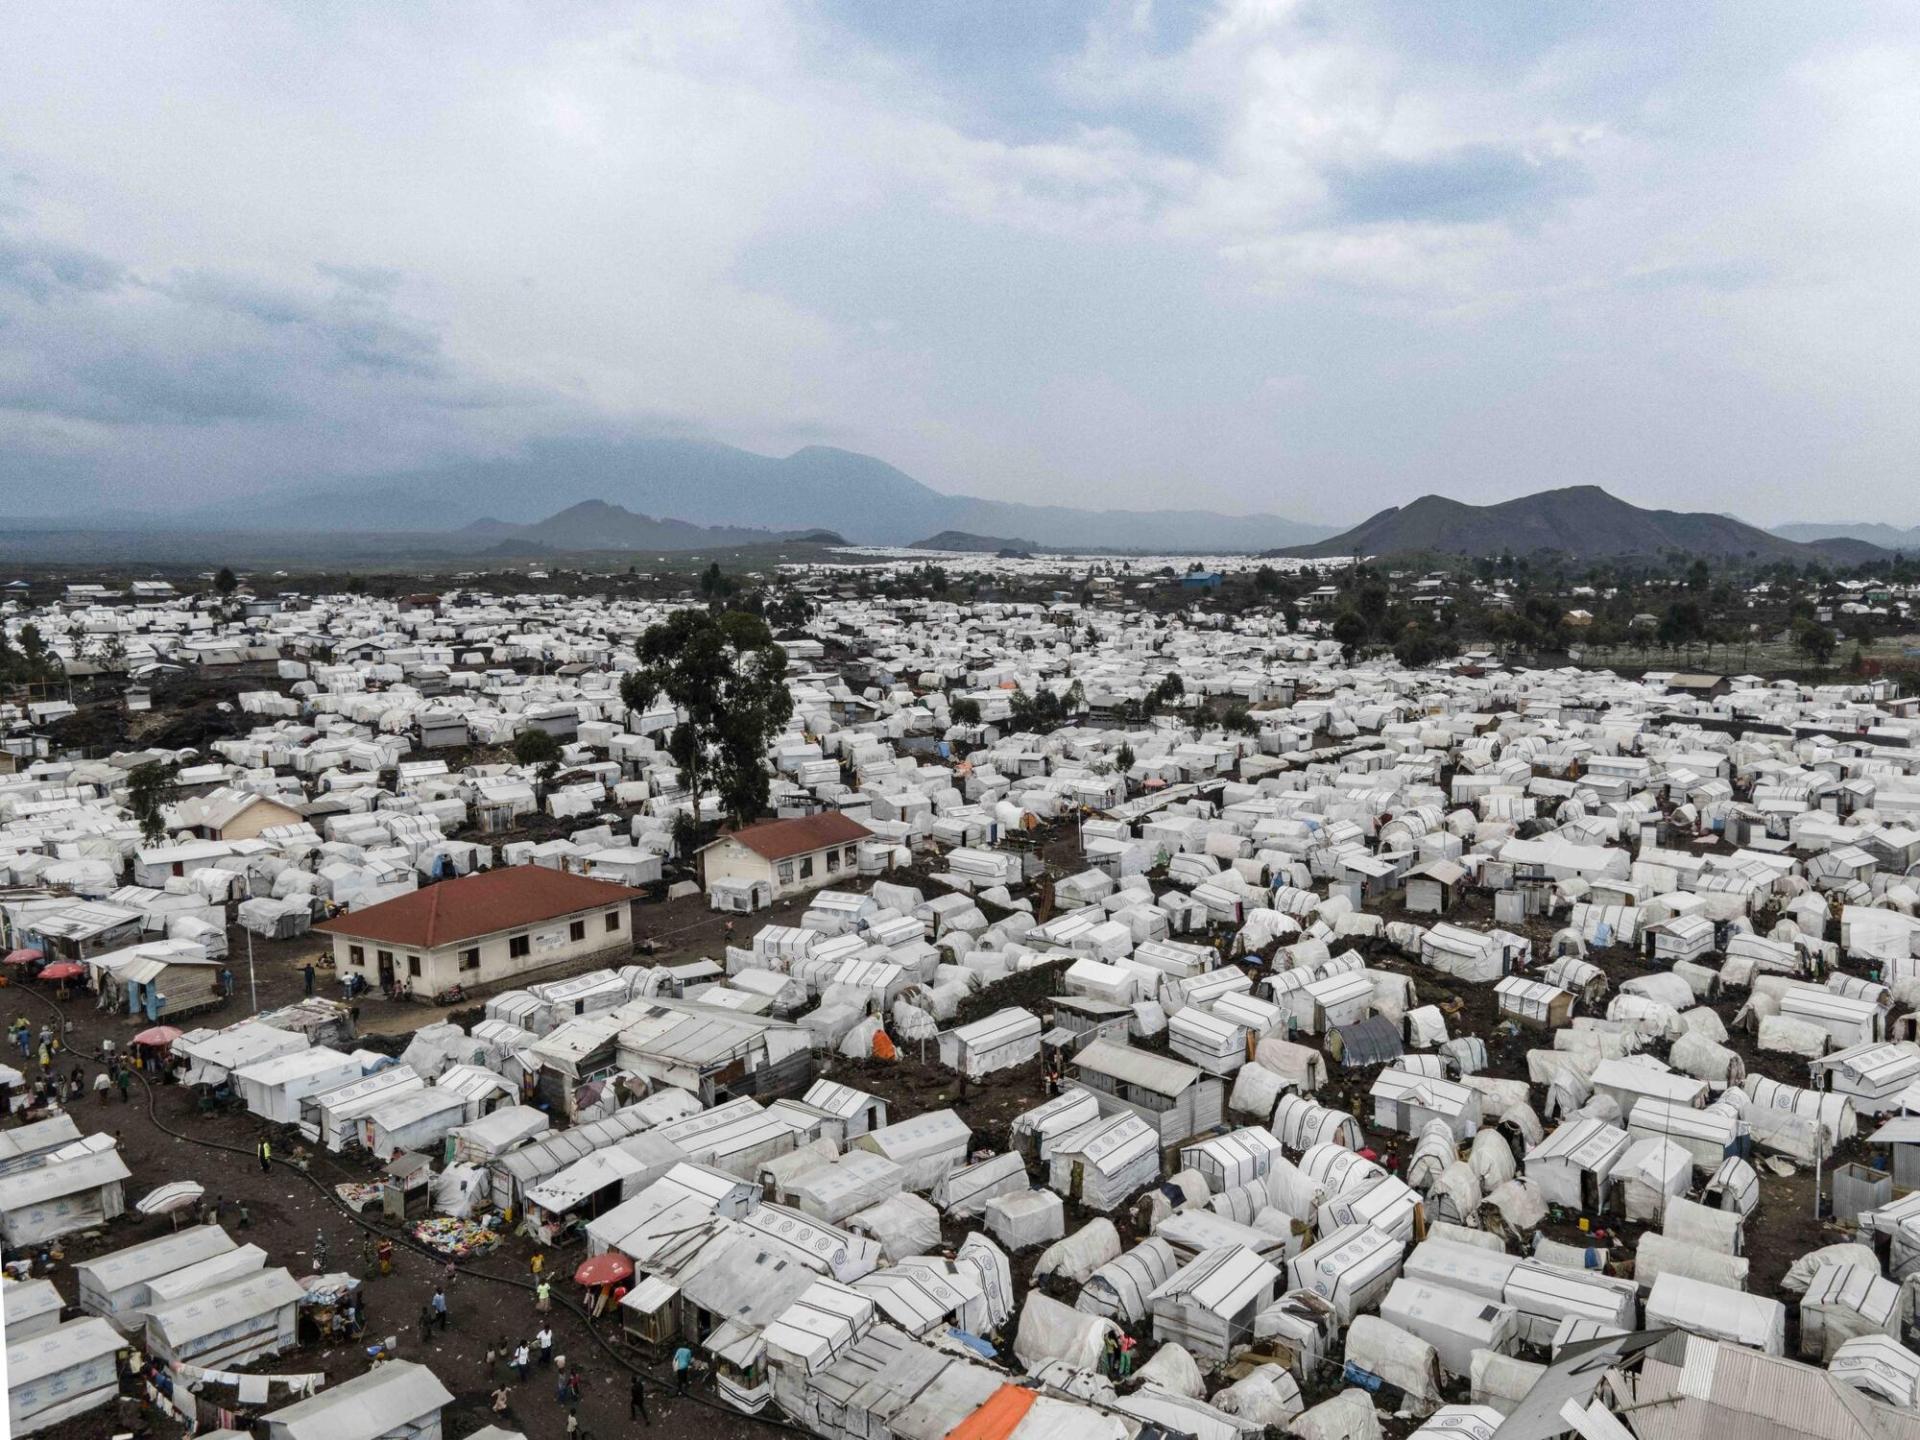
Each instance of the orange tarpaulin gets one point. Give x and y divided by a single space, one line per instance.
998 1418
882 1046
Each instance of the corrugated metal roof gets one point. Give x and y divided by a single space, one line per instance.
1137 1067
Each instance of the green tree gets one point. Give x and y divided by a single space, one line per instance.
1373 607
965 711
1123 759
150 789
226 582
1815 641
535 748
110 653
1683 624
1350 629
1419 646
34 660
727 677
1240 720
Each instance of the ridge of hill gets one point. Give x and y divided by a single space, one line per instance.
966 542
1584 522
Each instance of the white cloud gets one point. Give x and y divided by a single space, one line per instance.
236 245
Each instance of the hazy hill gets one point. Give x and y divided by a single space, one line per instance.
598 525
1581 521
1887 537
967 543
702 483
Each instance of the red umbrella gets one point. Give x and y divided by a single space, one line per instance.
63 970
22 957
608 1269
158 1035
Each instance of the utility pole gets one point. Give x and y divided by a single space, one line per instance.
253 987
1819 1140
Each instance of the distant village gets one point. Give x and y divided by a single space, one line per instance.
915 995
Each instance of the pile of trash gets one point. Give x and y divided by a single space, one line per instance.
461 1239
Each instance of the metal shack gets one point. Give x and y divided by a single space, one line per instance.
400 1400
1208 1305
228 1324
1176 1100
115 1285
59 1196
60 1373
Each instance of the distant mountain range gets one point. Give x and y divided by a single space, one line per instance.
1583 522
1887 537
705 484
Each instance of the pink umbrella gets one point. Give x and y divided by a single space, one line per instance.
609 1268
22 957
63 970
158 1035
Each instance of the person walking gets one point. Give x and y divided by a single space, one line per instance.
245 1222
439 1303
682 1363
306 976
123 1077
426 1323
319 1251
522 1361
489 1366
543 1297
226 982
536 1265
545 1341
101 1085
265 1152
637 1400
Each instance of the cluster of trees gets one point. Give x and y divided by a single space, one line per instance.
1045 709
1370 623
29 660
1167 693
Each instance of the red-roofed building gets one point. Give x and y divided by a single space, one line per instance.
497 927
790 857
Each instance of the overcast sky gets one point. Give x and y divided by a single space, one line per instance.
1311 259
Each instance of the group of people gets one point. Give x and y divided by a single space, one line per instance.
434 1315
44 1045
506 1362
49 1087
1117 1355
